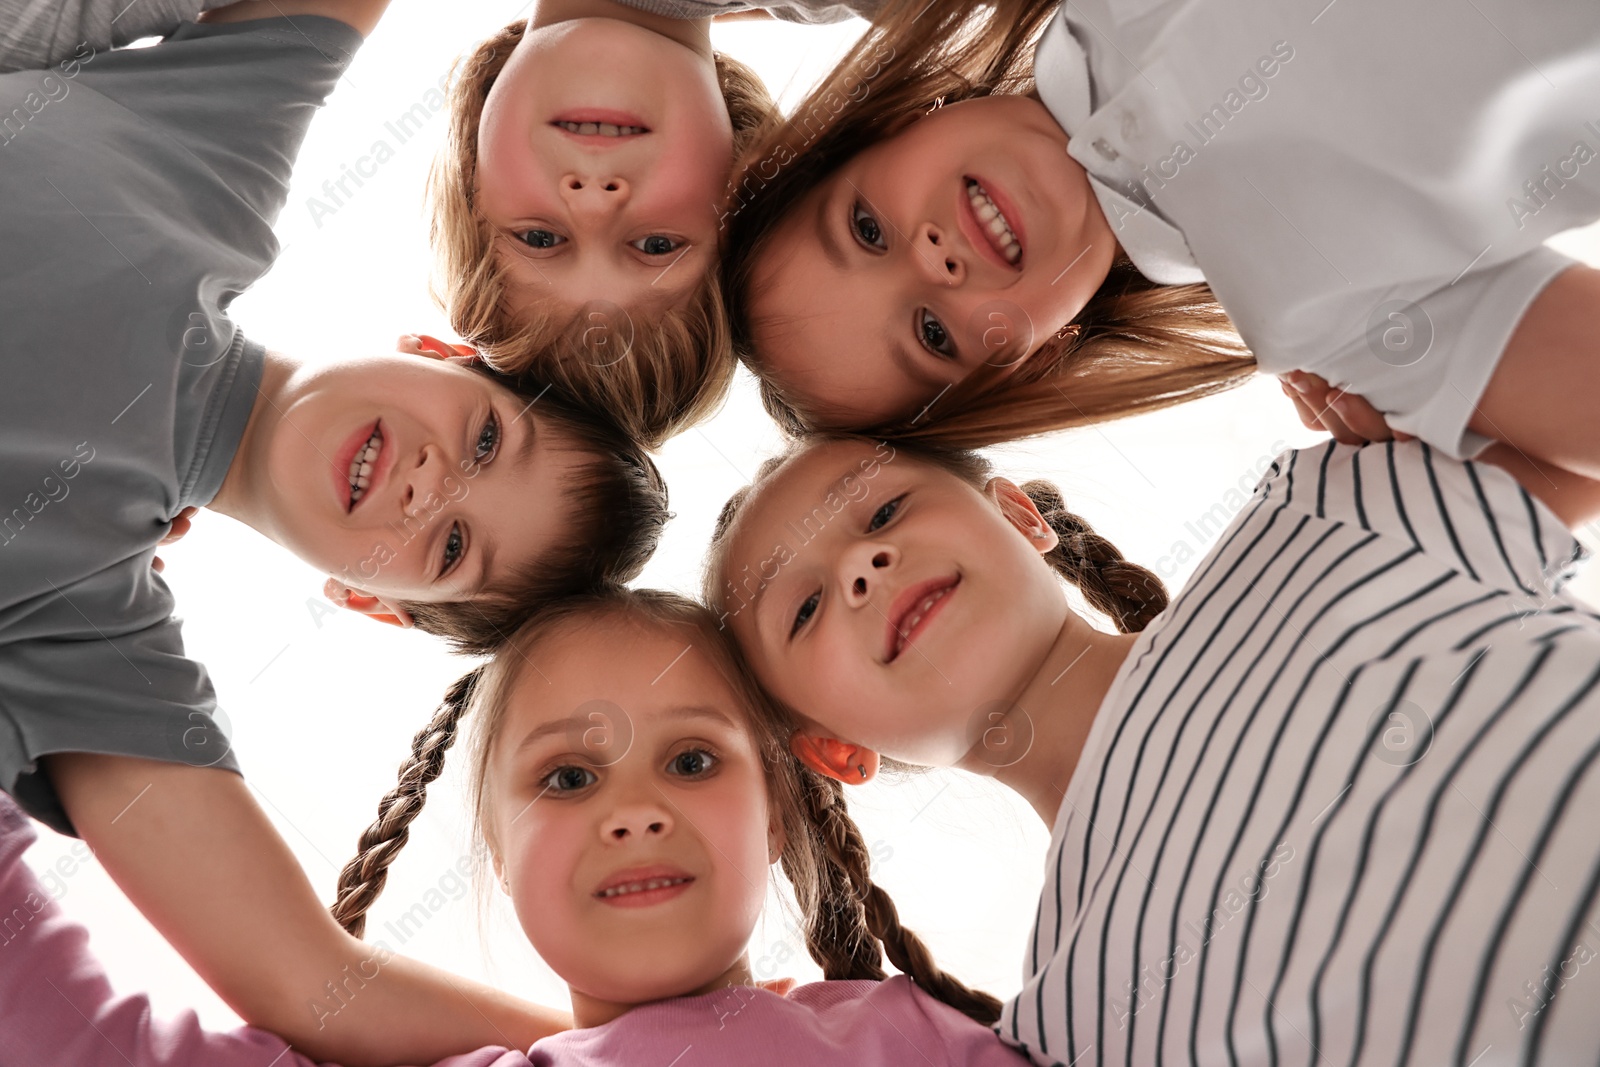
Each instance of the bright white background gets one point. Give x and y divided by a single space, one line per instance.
323 705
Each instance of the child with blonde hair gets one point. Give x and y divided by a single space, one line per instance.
578 205
632 791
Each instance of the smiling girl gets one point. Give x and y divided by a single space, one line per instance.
1326 804
1027 221
632 793
577 206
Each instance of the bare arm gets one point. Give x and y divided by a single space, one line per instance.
360 15
1544 397
195 853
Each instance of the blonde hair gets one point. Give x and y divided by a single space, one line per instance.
670 372
850 922
1136 345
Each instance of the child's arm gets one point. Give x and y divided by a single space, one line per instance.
57 1006
360 15
1545 392
1575 498
195 853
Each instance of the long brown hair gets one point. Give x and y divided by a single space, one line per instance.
1129 595
1136 345
654 375
850 922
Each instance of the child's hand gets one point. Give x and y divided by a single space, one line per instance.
179 527
1349 418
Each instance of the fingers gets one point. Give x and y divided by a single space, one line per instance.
180 526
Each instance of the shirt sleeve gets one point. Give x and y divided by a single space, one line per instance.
237 97
57 1005
35 34
99 666
1428 349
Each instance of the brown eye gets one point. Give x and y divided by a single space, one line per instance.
693 763
865 227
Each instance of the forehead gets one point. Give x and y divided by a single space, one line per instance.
820 473
638 666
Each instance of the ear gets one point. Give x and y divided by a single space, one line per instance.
500 872
850 764
1021 512
776 838
365 604
420 344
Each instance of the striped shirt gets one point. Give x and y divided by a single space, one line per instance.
1339 805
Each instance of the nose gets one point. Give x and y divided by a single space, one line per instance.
636 822
595 195
864 565
936 253
422 485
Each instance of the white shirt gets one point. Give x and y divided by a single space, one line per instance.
1341 795
1362 183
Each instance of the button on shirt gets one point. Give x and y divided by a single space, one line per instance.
1366 187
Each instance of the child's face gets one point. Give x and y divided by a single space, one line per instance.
629 218
467 481
916 290
890 603
624 763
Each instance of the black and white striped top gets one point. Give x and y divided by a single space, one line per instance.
1342 803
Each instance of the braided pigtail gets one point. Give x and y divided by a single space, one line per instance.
850 915
1129 594
364 876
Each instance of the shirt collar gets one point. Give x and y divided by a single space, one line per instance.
1061 71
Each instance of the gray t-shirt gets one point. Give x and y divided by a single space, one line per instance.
35 34
139 195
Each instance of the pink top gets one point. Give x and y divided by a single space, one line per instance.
56 1006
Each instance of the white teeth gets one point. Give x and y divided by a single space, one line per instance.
989 215
361 465
640 887
915 617
603 129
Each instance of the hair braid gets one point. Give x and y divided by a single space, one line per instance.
1130 594
852 915
364 876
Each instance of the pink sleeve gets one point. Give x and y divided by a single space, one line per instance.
56 1005
966 1043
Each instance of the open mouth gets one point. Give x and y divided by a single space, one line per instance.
913 610
643 887
996 227
601 129
362 465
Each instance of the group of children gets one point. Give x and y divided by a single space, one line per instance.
988 222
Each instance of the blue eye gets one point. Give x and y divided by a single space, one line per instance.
866 228
934 337
656 245
488 440
569 779
541 238
454 547
693 763
807 609
881 517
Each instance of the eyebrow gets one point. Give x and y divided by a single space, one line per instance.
581 723
825 234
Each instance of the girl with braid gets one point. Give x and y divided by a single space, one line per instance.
632 789
1328 804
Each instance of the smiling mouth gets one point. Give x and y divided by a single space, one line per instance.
996 227
362 465
904 628
601 129
644 885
